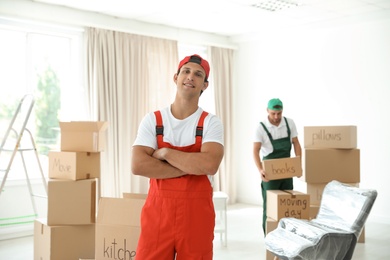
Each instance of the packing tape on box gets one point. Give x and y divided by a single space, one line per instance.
290 192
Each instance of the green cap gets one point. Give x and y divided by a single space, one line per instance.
275 104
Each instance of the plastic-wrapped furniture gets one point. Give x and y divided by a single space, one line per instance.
333 234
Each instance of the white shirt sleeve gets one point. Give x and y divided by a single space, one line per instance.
146 135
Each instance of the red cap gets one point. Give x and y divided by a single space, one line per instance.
196 59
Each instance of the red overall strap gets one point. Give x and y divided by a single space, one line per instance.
199 128
160 128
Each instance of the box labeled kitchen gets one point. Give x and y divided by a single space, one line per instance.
118 227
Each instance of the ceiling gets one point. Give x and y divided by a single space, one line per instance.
232 17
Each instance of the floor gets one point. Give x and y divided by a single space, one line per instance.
245 239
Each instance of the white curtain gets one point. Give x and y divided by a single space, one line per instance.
221 66
127 76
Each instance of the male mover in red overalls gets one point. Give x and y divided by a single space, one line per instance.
179 148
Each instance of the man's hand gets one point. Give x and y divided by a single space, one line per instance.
262 175
160 153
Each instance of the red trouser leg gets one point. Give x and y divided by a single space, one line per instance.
182 226
157 231
196 235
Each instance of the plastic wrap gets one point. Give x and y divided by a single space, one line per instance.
333 234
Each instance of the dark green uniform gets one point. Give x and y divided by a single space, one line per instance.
281 149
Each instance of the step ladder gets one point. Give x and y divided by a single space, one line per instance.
11 145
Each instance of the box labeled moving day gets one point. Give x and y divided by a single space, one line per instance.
83 136
74 165
337 137
282 168
287 204
326 165
118 227
71 202
63 242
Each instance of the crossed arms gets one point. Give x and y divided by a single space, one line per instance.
166 163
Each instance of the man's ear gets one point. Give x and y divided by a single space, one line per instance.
175 78
205 85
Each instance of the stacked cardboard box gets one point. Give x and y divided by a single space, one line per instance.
69 230
282 168
330 153
118 226
282 204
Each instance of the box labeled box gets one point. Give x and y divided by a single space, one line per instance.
83 136
326 165
341 137
282 168
287 204
118 227
71 202
315 191
63 242
74 165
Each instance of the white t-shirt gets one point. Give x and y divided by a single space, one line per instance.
276 132
179 132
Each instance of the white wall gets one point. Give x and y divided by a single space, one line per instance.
336 75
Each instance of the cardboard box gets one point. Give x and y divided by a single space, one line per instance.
71 202
341 137
362 237
141 196
118 227
270 225
314 209
325 165
63 242
74 165
315 191
83 136
287 203
282 168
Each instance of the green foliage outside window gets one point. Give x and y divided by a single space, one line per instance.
47 106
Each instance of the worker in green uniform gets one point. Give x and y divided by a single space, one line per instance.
274 138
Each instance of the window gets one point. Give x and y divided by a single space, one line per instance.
45 62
